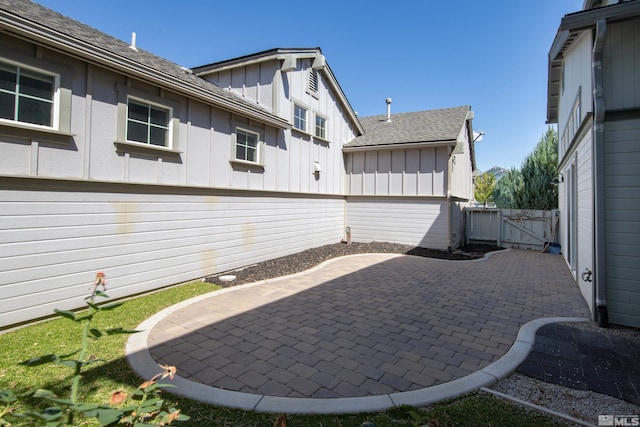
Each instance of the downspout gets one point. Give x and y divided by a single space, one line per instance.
449 198
598 173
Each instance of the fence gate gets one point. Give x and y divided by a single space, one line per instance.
512 228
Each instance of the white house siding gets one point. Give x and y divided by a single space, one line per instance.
458 222
55 235
581 157
576 149
461 167
398 172
576 85
622 219
411 221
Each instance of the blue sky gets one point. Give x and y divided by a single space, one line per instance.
426 54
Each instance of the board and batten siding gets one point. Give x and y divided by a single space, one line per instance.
585 214
410 221
622 219
621 65
577 243
398 172
55 236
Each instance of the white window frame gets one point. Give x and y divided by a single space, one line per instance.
324 128
168 129
253 130
296 118
256 135
55 101
171 150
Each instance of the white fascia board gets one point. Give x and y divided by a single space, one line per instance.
400 146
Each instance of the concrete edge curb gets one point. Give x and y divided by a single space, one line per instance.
141 362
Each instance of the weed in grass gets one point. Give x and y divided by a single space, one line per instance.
44 405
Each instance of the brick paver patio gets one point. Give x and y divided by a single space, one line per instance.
365 325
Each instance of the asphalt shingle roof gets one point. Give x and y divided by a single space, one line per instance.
442 125
99 42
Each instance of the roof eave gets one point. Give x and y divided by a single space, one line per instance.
397 146
571 26
33 31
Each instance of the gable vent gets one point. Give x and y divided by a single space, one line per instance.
313 80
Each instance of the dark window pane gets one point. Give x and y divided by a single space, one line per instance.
136 132
7 106
241 153
34 111
138 112
8 78
158 136
36 85
251 140
159 117
251 154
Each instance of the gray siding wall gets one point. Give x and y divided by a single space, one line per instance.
55 237
203 148
621 65
411 221
622 220
398 172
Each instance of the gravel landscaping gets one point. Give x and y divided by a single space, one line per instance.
310 258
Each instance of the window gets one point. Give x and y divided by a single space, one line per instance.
247 146
321 127
573 123
26 95
148 124
299 117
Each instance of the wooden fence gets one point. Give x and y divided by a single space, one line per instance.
512 228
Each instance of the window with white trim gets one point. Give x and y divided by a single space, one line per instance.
27 95
247 146
300 117
321 127
573 122
148 123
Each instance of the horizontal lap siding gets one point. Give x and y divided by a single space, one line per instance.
52 243
622 220
418 222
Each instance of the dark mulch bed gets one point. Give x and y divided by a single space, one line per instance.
310 258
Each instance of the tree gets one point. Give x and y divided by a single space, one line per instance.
539 170
531 186
483 189
508 190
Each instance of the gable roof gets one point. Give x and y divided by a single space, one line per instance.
31 21
424 127
283 54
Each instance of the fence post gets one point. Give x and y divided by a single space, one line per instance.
499 239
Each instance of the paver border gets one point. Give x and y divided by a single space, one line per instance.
139 358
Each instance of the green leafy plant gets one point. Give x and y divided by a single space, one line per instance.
483 188
144 407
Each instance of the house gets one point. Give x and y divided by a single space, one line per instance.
117 160
497 172
594 97
409 176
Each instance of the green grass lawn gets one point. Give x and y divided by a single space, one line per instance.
112 373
